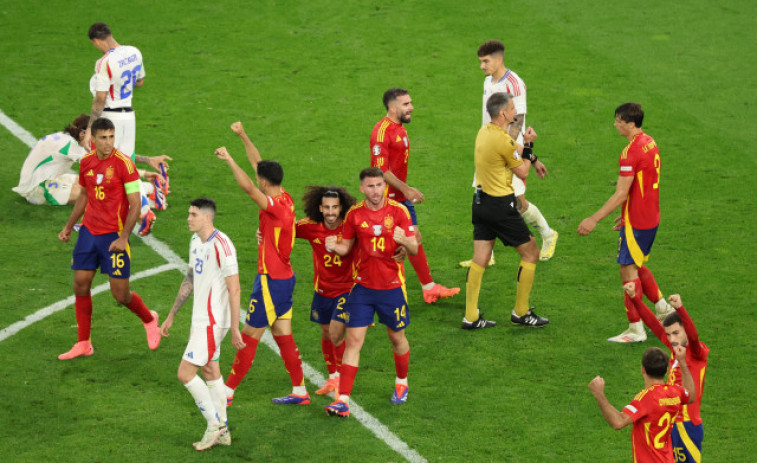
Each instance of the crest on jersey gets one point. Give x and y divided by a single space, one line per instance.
405 140
376 150
377 230
99 179
109 172
388 222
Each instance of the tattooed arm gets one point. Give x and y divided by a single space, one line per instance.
184 291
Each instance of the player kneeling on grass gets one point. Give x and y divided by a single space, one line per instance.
109 201
213 275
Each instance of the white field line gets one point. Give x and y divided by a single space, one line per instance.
5 333
176 262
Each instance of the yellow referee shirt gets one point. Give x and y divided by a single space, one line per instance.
496 155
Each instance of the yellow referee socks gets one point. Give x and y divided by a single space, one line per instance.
526 272
472 288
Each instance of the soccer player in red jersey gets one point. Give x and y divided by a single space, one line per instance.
677 329
637 190
390 152
326 207
653 411
377 226
109 201
271 298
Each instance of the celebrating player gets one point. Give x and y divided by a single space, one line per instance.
271 298
378 226
326 208
495 215
654 409
390 151
213 275
500 79
677 329
109 201
638 191
117 73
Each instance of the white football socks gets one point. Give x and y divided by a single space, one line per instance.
218 394
204 401
533 217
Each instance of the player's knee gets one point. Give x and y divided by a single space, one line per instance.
122 297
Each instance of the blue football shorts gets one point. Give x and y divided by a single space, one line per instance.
389 304
91 252
270 300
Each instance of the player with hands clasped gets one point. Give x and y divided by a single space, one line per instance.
213 276
375 227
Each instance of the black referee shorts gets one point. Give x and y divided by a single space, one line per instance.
497 217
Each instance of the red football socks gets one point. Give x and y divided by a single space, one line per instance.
327 347
631 312
649 285
139 308
420 265
346 379
292 360
83 307
401 364
242 361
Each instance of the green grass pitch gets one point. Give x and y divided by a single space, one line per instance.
306 78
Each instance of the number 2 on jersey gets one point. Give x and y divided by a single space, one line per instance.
130 77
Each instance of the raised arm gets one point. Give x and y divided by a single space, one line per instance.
243 180
614 417
695 348
687 380
253 155
646 314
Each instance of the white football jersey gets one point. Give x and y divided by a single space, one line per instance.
52 156
115 73
509 83
212 261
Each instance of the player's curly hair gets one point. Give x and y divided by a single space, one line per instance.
314 194
77 126
491 47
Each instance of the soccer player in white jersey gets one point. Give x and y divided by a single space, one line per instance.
46 177
117 73
500 79
213 275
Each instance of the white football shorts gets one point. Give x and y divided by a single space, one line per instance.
202 341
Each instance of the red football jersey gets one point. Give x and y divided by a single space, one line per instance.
390 150
332 274
696 357
641 160
277 230
654 412
375 246
107 203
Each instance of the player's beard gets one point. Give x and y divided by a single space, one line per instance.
405 118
